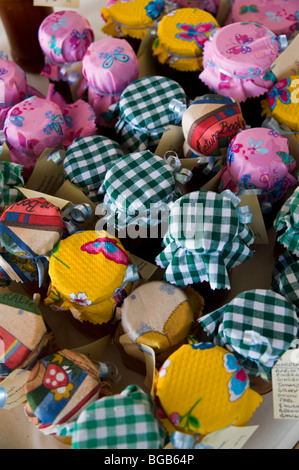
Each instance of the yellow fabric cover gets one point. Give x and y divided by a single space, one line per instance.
193 389
171 43
127 18
84 280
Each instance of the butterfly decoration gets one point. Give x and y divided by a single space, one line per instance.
239 382
108 247
55 124
285 157
245 182
17 120
257 147
2 72
247 9
110 58
279 91
197 33
52 44
59 22
77 39
27 143
224 81
274 16
242 45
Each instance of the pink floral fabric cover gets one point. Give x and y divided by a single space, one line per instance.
280 16
13 86
108 67
236 59
258 159
64 37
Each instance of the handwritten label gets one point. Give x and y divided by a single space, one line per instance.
57 3
285 386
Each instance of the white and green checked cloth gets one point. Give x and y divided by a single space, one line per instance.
10 177
258 326
144 113
87 160
205 239
122 421
138 189
288 220
285 278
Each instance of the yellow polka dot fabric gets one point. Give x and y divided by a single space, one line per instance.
202 388
87 271
131 18
181 36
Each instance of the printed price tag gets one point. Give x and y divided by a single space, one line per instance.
57 3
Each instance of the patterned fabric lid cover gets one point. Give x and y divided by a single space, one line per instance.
285 278
181 35
258 326
123 421
22 332
59 386
87 160
64 37
144 111
90 274
258 159
138 188
287 223
131 17
157 314
237 58
205 239
281 18
202 388
210 122
283 102
13 86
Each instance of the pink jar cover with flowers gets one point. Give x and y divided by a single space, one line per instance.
281 17
108 67
64 37
37 123
236 59
258 159
13 87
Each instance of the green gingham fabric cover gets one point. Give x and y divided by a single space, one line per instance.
288 220
10 177
87 160
136 188
258 326
285 278
144 112
219 242
122 421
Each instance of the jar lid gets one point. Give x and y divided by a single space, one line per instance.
181 35
287 223
285 278
13 83
157 314
257 340
59 386
204 240
22 330
133 18
87 160
279 18
201 388
283 100
109 65
64 36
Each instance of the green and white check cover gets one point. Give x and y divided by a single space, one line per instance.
87 160
138 189
285 278
122 421
258 326
144 111
10 177
288 220
204 240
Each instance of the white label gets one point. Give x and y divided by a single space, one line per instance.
285 385
57 3
13 386
232 437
